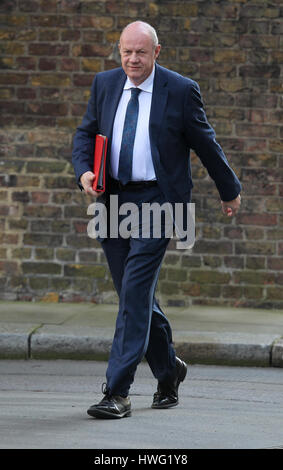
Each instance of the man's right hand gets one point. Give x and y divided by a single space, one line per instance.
86 180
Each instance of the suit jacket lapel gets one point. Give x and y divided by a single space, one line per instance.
158 106
114 92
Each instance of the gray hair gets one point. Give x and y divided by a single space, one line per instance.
148 28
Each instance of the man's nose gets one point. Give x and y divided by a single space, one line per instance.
134 57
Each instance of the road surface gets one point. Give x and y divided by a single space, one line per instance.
43 406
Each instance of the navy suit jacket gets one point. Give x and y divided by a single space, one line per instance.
177 124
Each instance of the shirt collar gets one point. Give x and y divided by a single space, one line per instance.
147 85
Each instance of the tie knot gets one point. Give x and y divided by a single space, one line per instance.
135 92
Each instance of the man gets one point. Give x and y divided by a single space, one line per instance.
152 117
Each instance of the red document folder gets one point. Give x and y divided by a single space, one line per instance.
99 164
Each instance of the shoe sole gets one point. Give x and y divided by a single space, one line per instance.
164 407
106 415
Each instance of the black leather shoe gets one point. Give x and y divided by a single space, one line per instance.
111 407
167 392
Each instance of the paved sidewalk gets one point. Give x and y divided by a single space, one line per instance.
202 335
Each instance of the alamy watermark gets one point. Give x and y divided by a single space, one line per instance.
146 220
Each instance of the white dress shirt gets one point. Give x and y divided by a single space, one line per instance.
142 159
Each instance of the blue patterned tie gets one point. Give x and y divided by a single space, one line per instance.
128 137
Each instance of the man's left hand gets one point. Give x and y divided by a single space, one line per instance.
231 208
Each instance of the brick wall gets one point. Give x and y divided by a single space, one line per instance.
50 52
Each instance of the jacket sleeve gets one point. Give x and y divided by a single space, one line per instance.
202 140
83 142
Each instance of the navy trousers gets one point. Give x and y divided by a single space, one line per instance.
142 329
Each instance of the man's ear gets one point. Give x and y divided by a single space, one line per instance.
157 51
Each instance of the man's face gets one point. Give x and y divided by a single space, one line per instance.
138 54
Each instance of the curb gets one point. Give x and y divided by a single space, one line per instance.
237 349
277 353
